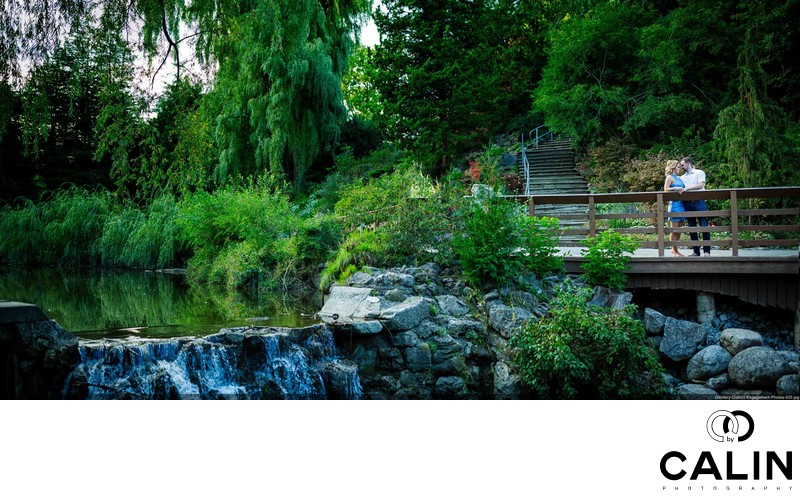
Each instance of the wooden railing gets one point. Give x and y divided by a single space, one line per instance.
736 221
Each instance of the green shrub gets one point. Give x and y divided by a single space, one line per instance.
253 238
498 240
412 214
605 259
62 230
585 351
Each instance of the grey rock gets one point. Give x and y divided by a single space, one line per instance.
405 315
693 391
610 299
444 348
369 327
788 385
343 303
425 329
713 336
682 339
406 339
45 355
506 384
393 279
451 305
737 340
365 357
758 367
360 279
719 382
654 341
450 387
654 322
505 319
418 358
522 299
708 362
396 296
460 327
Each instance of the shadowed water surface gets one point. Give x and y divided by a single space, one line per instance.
122 303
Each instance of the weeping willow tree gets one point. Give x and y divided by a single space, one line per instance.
280 86
279 66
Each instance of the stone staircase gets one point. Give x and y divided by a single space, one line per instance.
553 171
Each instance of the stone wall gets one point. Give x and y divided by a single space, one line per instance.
419 333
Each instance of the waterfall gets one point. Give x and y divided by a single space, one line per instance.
241 363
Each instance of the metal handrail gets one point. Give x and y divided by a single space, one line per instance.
539 137
526 168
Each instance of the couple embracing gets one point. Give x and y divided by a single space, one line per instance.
691 179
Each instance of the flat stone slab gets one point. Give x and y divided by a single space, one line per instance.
15 312
344 303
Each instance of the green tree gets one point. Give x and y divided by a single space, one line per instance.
280 81
439 70
753 135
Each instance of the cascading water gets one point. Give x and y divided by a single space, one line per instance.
243 363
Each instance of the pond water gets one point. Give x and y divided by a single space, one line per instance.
95 304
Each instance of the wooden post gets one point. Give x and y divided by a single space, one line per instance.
660 223
592 228
734 224
531 208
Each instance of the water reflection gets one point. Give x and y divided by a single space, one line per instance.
121 303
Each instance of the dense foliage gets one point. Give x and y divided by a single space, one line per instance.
605 258
277 144
499 241
587 352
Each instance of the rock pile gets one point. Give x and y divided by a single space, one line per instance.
735 363
417 333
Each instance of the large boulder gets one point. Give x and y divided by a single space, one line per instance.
405 315
788 385
737 340
682 339
654 322
708 362
758 367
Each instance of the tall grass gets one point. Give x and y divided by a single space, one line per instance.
141 238
62 230
80 227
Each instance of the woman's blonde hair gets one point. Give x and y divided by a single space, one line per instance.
670 166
